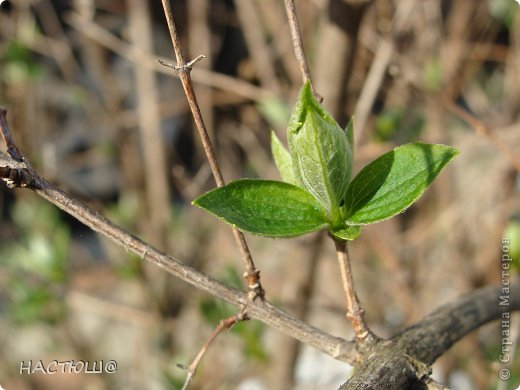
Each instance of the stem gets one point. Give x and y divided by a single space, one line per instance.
298 45
224 324
354 311
251 274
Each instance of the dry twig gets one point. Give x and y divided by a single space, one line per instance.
298 45
224 324
251 274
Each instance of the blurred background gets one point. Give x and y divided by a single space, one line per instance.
96 114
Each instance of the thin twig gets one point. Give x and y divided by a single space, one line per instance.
354 312
26 176
224 324
298 45
251 274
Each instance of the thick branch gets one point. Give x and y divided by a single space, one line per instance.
437 332
405 360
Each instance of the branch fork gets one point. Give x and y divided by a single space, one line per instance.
182 68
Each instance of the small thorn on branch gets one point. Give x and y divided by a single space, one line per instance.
181 366
185 67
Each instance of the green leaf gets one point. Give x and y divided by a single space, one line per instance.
282 159
392 182
349 131
348 233
320 152
265 207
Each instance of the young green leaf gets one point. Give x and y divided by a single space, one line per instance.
320 152
392 182
265 207
348 233
282 159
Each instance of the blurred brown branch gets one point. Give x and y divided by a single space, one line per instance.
199 75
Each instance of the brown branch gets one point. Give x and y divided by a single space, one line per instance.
354 311
298 45
224 324
406 359
251 274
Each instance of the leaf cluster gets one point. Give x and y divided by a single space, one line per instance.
317 191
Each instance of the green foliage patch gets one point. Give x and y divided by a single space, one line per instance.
316 192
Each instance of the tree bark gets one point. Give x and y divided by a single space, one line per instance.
404 362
